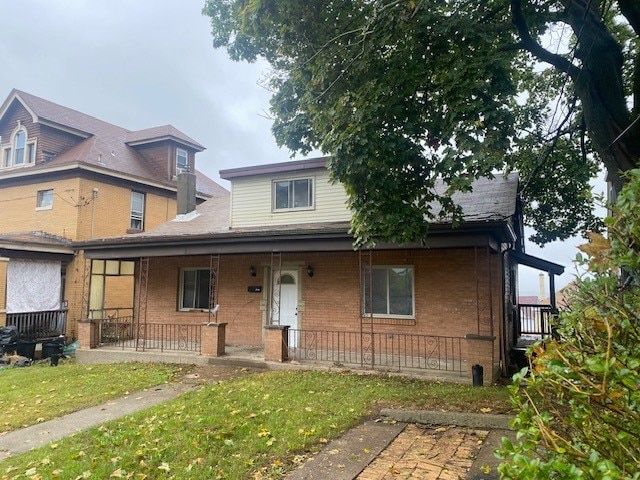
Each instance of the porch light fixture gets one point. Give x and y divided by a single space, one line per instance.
252 271
310 271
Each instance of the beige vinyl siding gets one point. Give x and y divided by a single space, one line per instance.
251 201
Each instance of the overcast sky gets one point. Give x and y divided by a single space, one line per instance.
145 63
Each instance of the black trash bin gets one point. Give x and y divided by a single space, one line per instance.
53 347
8 339
27 348
477 373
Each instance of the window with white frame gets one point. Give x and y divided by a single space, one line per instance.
182 160
137 211
388 291
194 288
291 194
20 151
44 199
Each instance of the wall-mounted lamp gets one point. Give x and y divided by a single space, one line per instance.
310 271
252 271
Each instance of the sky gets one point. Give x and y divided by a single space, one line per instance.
145 63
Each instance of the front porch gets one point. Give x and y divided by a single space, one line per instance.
442 358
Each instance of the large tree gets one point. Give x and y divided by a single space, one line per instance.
401 92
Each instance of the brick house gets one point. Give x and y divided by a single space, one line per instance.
66 176
277 256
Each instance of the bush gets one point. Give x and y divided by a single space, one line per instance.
579 401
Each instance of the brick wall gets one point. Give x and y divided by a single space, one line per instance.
447 294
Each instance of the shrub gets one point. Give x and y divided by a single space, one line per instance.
579 400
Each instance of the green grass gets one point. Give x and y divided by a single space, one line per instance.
34 394
252 427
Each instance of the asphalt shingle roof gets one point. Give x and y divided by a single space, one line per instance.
106 146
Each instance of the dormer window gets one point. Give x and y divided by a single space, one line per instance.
182 160
21 151
19 143
293 194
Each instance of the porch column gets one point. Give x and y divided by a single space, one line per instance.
88 334
480 350
213 339
4 262
276 343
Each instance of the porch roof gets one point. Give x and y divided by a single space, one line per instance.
538 263
35 244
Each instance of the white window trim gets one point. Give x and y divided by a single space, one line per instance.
293 209
181 289
388 315
186 155
44 207
131 212
29 146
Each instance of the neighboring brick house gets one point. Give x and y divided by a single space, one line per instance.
66 176
278 253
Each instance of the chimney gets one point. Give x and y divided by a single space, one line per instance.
186 193
542 293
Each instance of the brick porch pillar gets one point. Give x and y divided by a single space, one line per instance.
480 352
4 262
87 334
213 339
276 343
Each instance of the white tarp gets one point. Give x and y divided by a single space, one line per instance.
33 285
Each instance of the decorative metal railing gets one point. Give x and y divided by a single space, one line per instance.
39 325
125 333
534 320
378 350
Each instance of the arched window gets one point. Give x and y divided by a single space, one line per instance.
19 144
20 150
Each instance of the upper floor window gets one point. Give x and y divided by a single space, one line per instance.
182 160
19 143
195 284
388 291
297 193
137 211
21 151
45 199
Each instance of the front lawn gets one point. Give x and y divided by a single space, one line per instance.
34 394
252 427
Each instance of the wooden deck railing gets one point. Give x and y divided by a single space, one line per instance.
39 325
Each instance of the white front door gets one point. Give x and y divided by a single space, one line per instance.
285 300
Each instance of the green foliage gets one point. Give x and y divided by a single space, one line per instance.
403 92
579 406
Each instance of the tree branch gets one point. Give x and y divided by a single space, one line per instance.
534 47
631 11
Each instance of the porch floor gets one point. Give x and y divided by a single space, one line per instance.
250 357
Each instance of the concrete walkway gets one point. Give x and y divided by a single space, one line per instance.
20 441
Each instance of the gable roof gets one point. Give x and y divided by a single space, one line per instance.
104 148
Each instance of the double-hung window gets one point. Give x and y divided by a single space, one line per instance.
388 291
20 151
19 143
182 160
290 194
194 288
137 211
44 200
